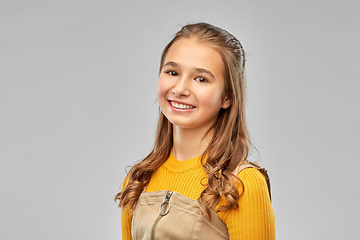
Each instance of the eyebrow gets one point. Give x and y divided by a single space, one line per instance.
199 70
170 63
202 70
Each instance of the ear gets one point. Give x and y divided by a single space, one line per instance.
227 102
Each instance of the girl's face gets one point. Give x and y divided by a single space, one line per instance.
191 85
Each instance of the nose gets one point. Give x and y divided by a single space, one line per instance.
182 87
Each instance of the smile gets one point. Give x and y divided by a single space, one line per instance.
180 105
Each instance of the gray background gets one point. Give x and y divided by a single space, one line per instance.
77 105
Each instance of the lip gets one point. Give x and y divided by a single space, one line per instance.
180 110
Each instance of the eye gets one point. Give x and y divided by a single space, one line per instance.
172 73
201 79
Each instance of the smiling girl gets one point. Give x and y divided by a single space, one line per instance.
196 183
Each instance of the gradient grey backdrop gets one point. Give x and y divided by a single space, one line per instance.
77 104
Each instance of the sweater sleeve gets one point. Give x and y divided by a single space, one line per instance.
254 219
125 225
126 219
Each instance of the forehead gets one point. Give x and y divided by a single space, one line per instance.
195 54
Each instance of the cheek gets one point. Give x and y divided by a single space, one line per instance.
212 98
161 89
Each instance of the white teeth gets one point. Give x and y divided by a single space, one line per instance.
181 106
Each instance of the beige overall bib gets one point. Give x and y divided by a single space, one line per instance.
165 215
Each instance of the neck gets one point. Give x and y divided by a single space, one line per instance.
189 143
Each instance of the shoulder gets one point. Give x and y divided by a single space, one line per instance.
125 182
251 173
255 216
254 183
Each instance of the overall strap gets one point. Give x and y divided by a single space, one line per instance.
258 167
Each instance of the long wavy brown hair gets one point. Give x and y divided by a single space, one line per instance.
230 143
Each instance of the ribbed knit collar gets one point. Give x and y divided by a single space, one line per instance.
174 165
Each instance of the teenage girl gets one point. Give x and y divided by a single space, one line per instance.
193 184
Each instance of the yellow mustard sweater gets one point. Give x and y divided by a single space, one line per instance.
253 220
